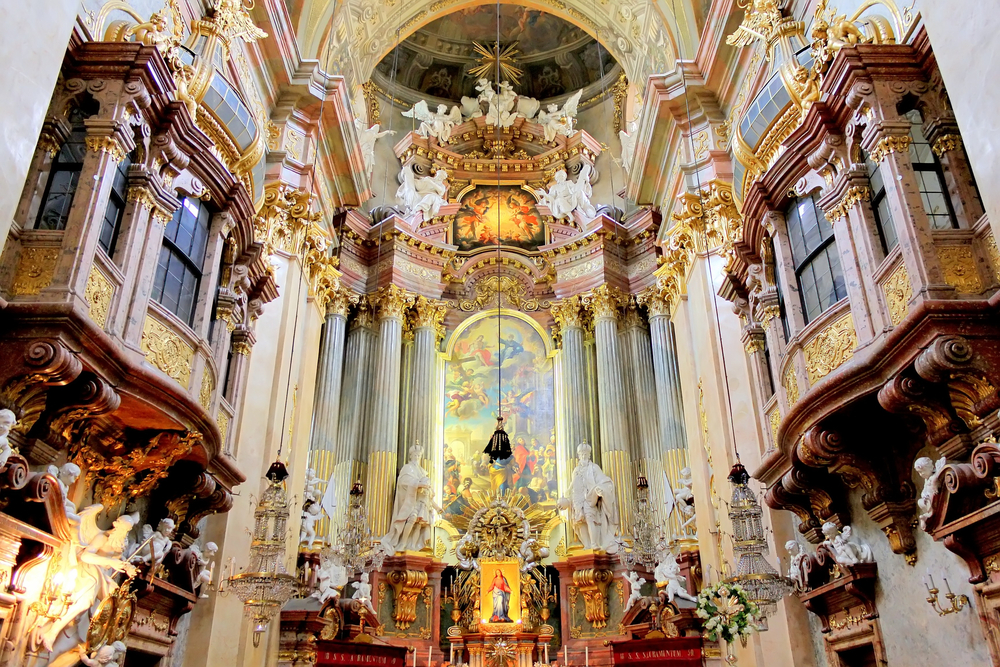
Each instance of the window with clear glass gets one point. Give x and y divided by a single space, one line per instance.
113 215
884 223
814 253
64 174
930 177
182 259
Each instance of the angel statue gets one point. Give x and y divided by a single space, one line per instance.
426 194
627 139
930 471
846 550
96 557
366 139
501 111
668 575
560 121
564 196
437 124
797 558
635 583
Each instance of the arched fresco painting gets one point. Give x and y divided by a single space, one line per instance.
472 397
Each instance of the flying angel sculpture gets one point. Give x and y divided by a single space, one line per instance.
560 121
436 124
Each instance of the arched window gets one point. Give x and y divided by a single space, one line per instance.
884 223
182 259
814 252
930 177
64 174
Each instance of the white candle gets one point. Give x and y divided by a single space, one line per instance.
429 656
414 657
586 656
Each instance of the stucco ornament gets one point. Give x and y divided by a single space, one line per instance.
592 505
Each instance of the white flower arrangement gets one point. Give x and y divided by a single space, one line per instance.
727 611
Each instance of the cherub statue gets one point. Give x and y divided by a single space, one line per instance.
796 567
153 32
437 124
532 553
310 515
846 550
206 563
635 583
684 498
930 471
366 139
426 194
106 656
159 544
7 422
669 578
363 593
330 578
556 121
501 111
311 492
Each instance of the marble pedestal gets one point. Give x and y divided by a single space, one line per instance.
407 595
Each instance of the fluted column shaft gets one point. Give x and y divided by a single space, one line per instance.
427 317
645 418
351 450
326 413
384 428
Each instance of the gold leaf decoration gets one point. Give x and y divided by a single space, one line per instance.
831 347
207 388
791 385
98 294
222 421
166 350
34 271
959 268
991 249
775 420
898 293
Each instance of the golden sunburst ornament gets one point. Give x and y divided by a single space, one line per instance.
488 59
502 653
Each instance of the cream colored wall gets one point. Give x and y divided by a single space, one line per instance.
33 42
968 55
270 408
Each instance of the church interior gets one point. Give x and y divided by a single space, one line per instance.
457 333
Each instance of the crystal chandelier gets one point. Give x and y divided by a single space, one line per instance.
763 585
646 538
265 586
355 548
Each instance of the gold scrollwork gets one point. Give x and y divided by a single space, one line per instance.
510 290
946 143
166 350
207 388
98 294
854 194
593 585
222 421
831 347
107 145
407 585
774 419
889 144
34 271
849 621
959 268
992 563
898 292
791 384
994 253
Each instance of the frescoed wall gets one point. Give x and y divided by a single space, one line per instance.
519 362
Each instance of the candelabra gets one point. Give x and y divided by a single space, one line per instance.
957 602
355 548
646 539
762 583
56 596
265 586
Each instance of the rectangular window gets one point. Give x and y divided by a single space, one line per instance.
64 176
930 177
884 223
814 252
116 208
182 260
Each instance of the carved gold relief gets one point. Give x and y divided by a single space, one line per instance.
283 219
774 419
854 194
619 91
222 421
898 293
107 145
945 143
959 268
831 347
593 585
510 290
34 271
166 350
207 388
144 198
604 301
98 294
791 384
889 144
371 101
392 301
991 249
407 586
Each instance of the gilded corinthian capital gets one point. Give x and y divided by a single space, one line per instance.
660 298
428 313
392 302
604 302
337 299
568 312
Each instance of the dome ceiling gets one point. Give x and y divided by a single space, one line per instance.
555 57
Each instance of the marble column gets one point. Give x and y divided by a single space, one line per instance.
604 303
324 447
569 316
351 451
669 404
383 431
428 316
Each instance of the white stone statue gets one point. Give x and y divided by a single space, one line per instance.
145 537
94 558
363 593
847 550
684 499
556 121
330 579
206 565
564 196
627 139
312 485
66 476
532 553
413 508
669 578
471 107
635 583
367 138
797 558
466 559
592 505
425 194
501 112
437 124
310 515
7 421
106 656
159 545
930 471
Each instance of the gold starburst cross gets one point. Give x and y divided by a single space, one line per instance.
488 59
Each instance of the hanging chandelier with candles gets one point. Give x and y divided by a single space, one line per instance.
647 539
265 586
355 547
762 583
